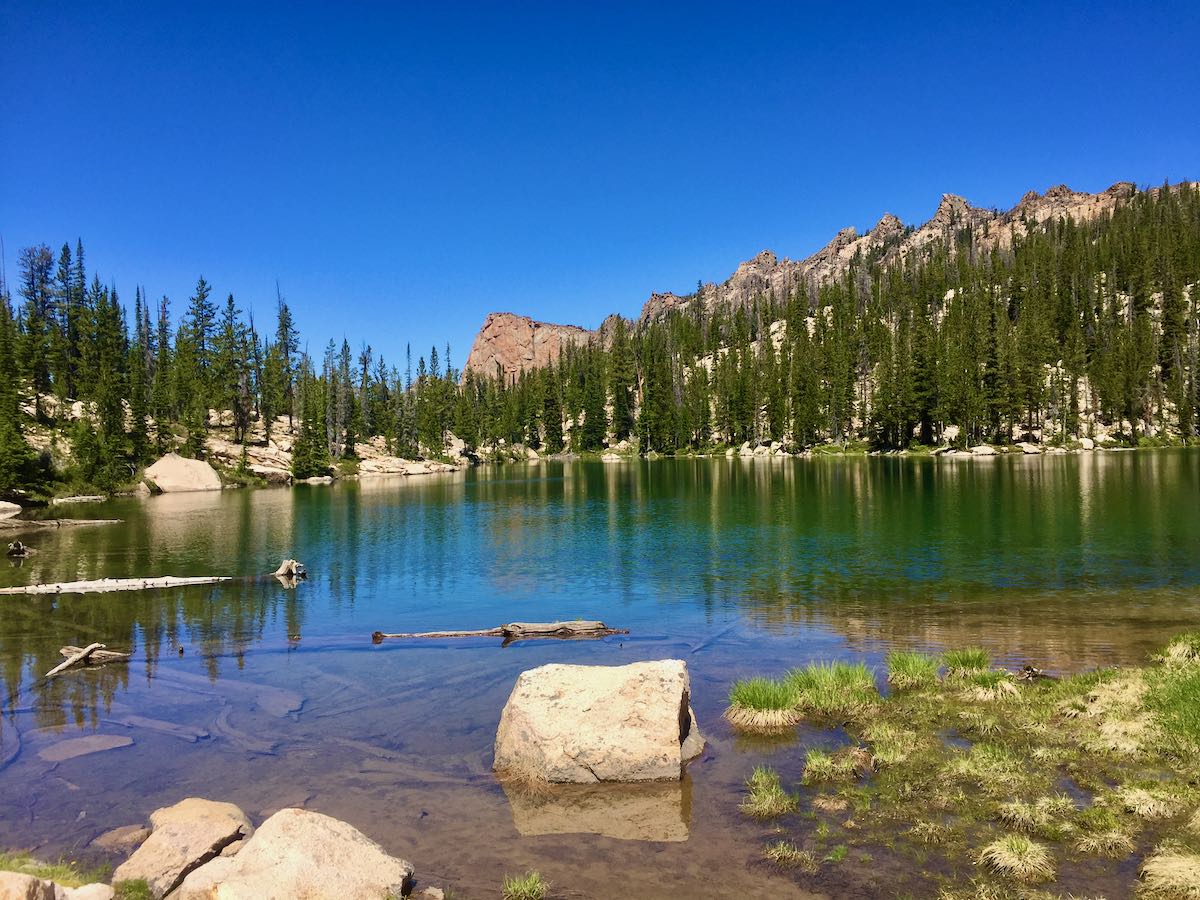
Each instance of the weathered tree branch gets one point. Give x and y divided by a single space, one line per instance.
75 659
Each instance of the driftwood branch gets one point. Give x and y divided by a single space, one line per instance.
99 656
75 659
112 584
517 631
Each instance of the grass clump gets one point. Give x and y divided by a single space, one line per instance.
1172 871
965 662
1150 803
1171 697
833 690
990 766
65 872
990 684
766 798
890 745
1182 650
525 887
786 853
1018 857
822 766
138 889
908 670
1043 816
1102 833
762 705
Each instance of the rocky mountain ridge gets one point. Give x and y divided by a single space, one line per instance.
511 343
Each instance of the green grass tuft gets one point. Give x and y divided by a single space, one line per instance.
766 798
962 662
1171 697
786 853
525 887
762 705
138 889
835 690
908 670
822 766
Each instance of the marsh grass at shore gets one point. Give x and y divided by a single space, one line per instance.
978 784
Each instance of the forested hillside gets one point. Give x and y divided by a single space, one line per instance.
1062 330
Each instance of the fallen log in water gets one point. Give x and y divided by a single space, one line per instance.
21 524
517 631
76 658
112 584
98 655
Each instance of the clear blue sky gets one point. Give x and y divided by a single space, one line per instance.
403 169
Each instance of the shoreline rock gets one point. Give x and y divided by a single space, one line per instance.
184 837
590 724
299 853
174 473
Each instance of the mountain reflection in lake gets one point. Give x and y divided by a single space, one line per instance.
738 566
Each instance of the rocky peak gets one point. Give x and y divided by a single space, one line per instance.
953 211
886 228
509 344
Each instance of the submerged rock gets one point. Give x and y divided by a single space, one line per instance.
174 473
126 837
298 853
588 724
71 748
182 837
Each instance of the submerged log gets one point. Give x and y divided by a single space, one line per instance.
517 631
112 584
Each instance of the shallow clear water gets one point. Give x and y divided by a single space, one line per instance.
737 566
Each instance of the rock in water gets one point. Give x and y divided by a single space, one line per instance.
297 853
126 837
182 837
174 473
8 510
82 746
588 724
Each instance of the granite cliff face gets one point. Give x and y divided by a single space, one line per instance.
508 343
515 342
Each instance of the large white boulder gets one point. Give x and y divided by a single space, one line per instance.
8 510
183 837
17 886
297 853
176 473
588 724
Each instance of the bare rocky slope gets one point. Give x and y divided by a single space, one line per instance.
511 343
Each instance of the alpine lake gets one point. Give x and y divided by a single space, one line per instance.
268 696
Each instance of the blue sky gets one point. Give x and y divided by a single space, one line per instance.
403 169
